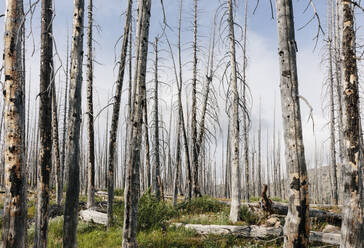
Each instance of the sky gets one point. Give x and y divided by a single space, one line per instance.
262 70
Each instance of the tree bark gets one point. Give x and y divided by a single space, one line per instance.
332 108
156 126
235 170
74 124
115 114
195 184
352 229
14 232
132 180
90 112
55 147
297 224
45 124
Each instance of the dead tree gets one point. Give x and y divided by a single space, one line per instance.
115 115
195 184
45 124
90 112
63 168
14 232
245 121
132 179
334 188
235 170
157 182
352 229
297 224
55 146
74 124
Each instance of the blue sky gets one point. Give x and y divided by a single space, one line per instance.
262 72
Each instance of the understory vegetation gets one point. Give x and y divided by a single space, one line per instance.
155 225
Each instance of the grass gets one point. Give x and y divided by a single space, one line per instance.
154 230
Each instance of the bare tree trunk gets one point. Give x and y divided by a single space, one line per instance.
55 146
332 108
352 229
64 169
260 150
131 193
90 112
115 115
245 121
14 233
297 224
235 172
45 125
195 184
74 124
156 125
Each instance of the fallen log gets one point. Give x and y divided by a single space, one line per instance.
93 216
322 215
242 231
256 232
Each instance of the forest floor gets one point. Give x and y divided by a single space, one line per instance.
155 225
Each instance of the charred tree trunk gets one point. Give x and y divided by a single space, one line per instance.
156 126
90 112
195 184
74 124
14 232
115 116
352 229
297 224
132 180
55 146
45 125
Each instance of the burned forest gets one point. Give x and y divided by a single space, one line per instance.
185 123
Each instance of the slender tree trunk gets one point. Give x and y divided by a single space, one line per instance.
352 228
115 116
245 121
132 180
64 169
55 146
332 107
90 112
195 184
45 125
235 170
74 124
14 233
260 150
156 125
297 224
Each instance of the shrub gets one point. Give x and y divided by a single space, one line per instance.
201 205
119 192
153 213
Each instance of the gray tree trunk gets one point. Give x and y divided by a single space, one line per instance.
235 170
115 115
297 224
131 193
332 107
74 124
156 125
